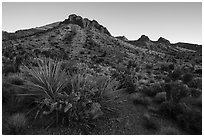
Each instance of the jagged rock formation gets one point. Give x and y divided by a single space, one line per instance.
163 40
144 38
123 38
88 41
85 23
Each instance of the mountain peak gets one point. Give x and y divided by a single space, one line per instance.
85 23
122 38
144 38
163 40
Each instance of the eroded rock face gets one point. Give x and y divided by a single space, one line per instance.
123 38
163 40
85 23
144 38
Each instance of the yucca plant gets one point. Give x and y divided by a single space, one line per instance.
107 92
46 82
72 99
107 88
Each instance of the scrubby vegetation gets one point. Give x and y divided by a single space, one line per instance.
75 78
72 99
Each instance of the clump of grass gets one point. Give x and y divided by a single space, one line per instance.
17 124
139 98
196 83
169 131
149 122
160 97
177 91
176 74
188 77
15 79
170 109
153 89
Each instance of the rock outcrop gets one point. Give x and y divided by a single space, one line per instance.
123 38
85 23
143 38
163 40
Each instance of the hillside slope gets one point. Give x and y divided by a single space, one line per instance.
147 70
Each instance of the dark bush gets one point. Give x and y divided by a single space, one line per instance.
195 92
171 66
177 91
15 79
196 83
9 68
191 121
160 97
169 131
187 78
149 122
198 71
17 124
152 90
175 75
149 66
139 99
170 109
167 79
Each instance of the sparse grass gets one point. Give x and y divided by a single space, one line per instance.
149 122
17 124
15 79
176 74
169 131
139 98
188 77
160 97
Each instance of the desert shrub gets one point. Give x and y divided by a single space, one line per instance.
187 78
169 131
149 122
170 109
167 79
198 71
148 91
149 66
7 90
17 124
11 102
69 99
196 83
177 91
45 81
195 92
132 64
171 66
164 67
153 89
139 98
8 68
128 81
15 79
191 121
176 74
184 113
160 97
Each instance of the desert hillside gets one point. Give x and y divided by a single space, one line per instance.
74 77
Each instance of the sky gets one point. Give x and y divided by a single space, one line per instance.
175 21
